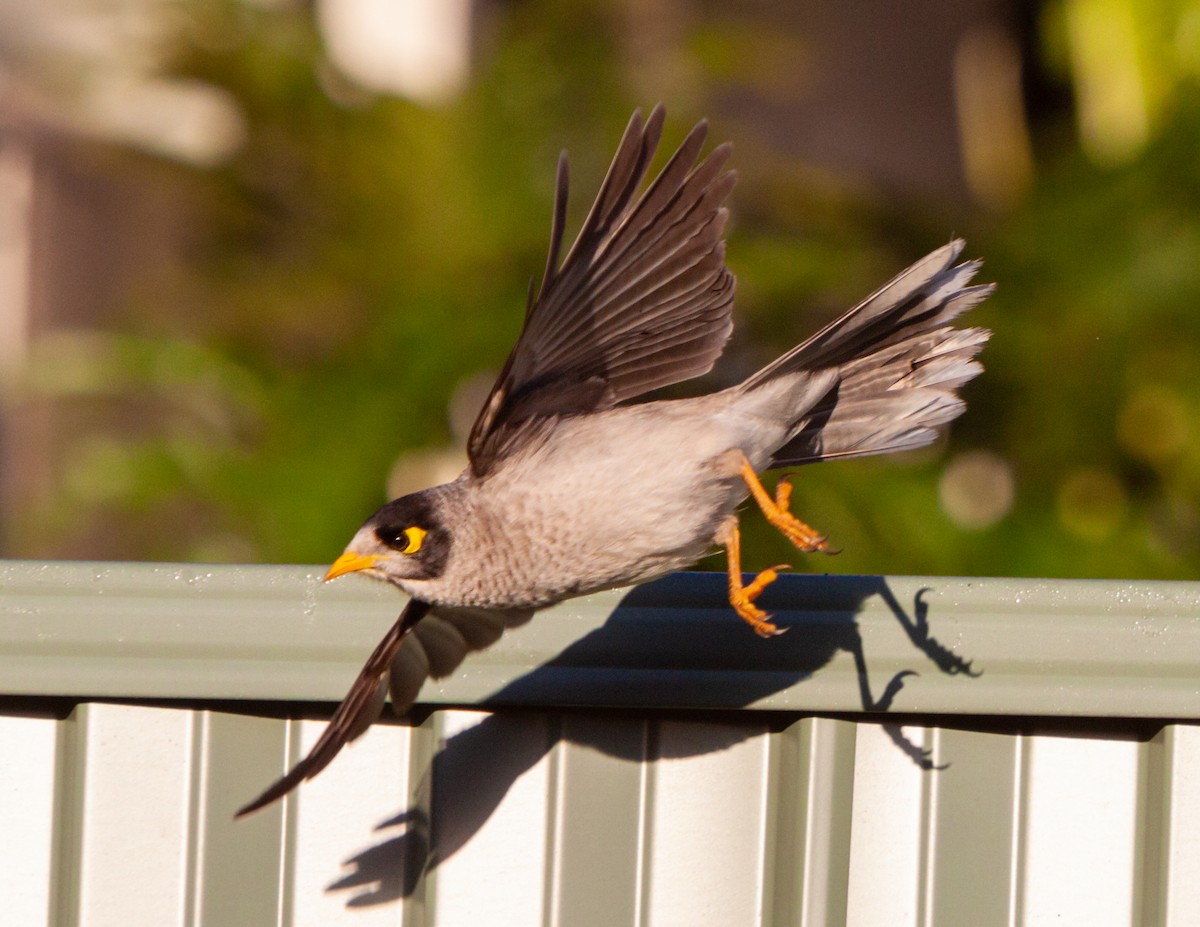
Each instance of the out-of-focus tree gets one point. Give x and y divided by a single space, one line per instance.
362 258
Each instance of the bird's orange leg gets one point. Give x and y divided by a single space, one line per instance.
776 510
742 597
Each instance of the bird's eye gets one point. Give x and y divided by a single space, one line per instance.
403 540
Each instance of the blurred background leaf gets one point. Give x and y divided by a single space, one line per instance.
259 259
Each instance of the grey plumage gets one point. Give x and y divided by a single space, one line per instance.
572 488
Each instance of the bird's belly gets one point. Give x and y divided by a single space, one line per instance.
574 536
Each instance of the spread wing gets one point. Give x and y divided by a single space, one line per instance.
423 642
642 299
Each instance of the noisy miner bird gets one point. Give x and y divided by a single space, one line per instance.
573 487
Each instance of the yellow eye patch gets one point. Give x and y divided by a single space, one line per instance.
414 537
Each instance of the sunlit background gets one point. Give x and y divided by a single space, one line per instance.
259 258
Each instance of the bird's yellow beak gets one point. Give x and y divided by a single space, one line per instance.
350 562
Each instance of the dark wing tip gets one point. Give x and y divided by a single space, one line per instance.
562 171
295 776
358 710
558 221
652 132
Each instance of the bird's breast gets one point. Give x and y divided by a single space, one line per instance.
598 506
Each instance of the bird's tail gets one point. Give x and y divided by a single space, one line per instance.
893 364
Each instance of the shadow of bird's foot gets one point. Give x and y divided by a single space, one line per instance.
920 755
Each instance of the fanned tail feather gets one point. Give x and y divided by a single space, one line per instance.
897 362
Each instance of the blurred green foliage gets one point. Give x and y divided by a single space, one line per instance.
362 256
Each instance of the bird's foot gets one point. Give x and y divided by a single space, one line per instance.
742 596
778 514
742 599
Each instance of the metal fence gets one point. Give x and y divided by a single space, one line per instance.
633 758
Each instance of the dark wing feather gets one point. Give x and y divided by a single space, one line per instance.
425 641
358 710
642 299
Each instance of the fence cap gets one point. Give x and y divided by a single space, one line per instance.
979 646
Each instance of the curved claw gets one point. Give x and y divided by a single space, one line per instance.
742 601
884 702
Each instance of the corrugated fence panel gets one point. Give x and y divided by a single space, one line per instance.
1078 838
26 816
974 822
705 824
887 833
497 823
568 819
1178 788
359 798
811 811
124 793
599 800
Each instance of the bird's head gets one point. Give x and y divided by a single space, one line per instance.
404 540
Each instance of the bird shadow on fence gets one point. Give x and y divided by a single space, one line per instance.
673 642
